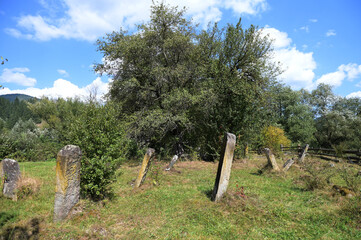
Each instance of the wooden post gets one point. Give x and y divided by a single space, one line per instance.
224 166
145 167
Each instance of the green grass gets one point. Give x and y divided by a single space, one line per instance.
179 207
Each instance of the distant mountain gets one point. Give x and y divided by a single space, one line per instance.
12 97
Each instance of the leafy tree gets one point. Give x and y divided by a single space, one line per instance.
178 88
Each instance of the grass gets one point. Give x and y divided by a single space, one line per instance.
177 206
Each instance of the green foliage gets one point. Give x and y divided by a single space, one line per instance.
100 136
97 175
25 142
173 83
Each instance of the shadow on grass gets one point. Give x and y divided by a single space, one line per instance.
29 231
6 217
208 193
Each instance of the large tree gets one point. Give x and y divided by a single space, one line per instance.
179 87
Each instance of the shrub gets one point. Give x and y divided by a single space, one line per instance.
96 176
273 137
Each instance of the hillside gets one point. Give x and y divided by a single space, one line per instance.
12 97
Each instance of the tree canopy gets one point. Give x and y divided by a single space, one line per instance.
179 87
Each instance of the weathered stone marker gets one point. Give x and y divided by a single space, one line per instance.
224 166
288 164
271 160
145 167
67 193
10 172
303 155
174 159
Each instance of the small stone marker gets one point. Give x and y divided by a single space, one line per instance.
145 167
224 166
67 193
174 159
11 174
288 164
303 155
271 160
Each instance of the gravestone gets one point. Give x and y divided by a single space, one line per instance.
10 172
68 164
224 166
174 159
303 154
271 160
288 164
145 167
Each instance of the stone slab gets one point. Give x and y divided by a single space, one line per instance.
67 193
224 166
145 167
11 175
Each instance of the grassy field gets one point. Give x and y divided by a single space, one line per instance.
177 205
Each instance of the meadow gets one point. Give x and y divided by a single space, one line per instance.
176 204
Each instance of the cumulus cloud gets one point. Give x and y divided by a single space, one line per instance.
330 33
64 89
17 76
354 95
350 72
298 66
313 20
88 20
63 72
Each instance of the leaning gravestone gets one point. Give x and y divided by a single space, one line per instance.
288 164
174 159
145 167
303 154
10 172
271 160
68 163
224 166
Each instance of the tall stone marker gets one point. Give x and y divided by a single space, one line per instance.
224 167
303 154
11 174
145 167
67 193
171 164
271 159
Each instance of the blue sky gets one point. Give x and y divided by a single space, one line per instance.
50 44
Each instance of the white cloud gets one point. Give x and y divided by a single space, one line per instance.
17 76
89 20
330 33
349 72
334 79
63 72
298 66
313 20
354 95
64 89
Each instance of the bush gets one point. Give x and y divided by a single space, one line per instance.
273 137
96 176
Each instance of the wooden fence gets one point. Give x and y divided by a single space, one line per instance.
352 156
